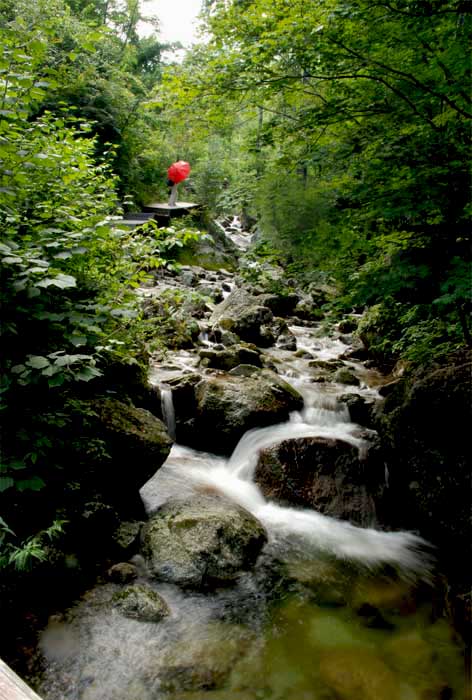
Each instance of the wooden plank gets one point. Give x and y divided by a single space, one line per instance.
12 687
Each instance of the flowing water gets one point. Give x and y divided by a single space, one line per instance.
350 622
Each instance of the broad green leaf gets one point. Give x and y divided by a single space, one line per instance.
6 482
33 484
37 362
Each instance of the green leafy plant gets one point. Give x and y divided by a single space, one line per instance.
24 555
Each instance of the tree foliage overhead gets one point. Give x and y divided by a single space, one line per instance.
359 116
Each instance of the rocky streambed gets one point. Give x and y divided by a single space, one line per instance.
264 567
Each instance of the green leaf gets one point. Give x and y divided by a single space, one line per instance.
6 482
33 484
58 380
4 526
78 340
87 373
37 362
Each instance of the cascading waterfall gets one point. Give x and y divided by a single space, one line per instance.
168 412
323 416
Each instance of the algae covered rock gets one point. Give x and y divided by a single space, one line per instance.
246 315
133 436
345 376
358 674
201 541
205 660
229 358
219 410
141 602
123 572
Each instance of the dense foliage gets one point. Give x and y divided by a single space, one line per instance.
356 123
71 127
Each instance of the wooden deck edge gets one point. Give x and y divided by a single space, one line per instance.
12 687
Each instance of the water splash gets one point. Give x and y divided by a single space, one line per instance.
323 416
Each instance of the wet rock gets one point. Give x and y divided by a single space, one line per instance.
358 674
345 376
280 304
188 277
243 371
357 353
425 424
327 586
126 536
122 572
287 341
221 409
389 387
141 602
328 365
198 307
361 410
394 597
201 541
132 436
205 660
214 249
321 473
304 354
243 314
183 394
228 358
227 337
373 619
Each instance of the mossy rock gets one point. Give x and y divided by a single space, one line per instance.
141 602
201 541
358 674
345 376
205 660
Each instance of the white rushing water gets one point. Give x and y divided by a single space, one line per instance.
187 471
93 652
235 232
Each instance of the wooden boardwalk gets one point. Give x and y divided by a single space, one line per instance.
12 687
161 212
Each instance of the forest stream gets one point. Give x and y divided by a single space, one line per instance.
329 611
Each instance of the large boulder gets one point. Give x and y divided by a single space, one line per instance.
231 357
321 473
201 541
245 314
213 413
361 409
280 304
201 661
425 423
131 436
